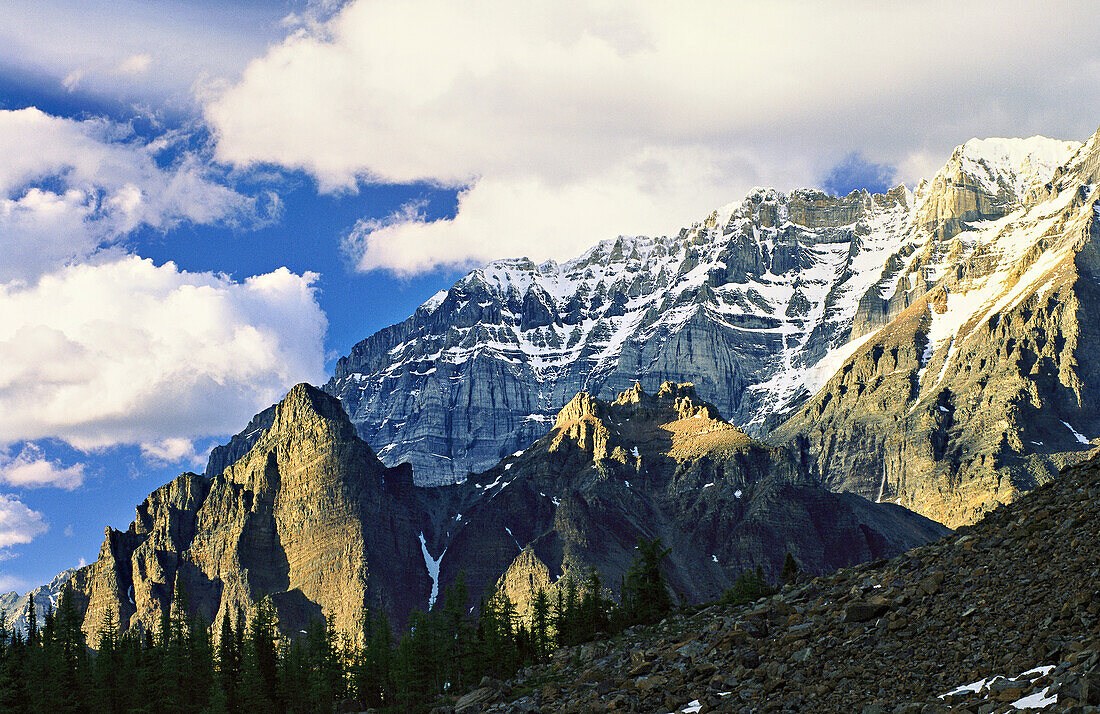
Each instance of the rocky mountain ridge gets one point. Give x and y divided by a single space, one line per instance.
310 518
998 617
657 465
764 303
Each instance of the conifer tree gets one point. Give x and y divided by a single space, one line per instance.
540 624
32 621
791 571
645 596
227 667
457 635
373 668
107 694
593 610
259 679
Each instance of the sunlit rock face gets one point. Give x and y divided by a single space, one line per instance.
307 517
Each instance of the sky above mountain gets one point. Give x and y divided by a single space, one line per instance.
204 203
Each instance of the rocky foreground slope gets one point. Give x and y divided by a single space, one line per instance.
999 616
309 517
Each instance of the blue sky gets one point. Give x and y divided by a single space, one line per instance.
202 203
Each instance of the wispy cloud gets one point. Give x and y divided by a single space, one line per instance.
11 583
854 173
69 189
175 451
135 64
131 51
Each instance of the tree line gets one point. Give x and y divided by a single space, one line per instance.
184 665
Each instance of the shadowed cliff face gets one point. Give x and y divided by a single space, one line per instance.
310 518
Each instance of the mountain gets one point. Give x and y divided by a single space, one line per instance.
656 465
999 617
759 305
14 605
308 516
735 302
312 519
987 381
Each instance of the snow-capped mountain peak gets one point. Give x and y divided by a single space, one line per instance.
756 304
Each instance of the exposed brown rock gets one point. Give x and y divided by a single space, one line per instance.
310 518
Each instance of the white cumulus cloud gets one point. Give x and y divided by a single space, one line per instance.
18 525
566 122
70 188
30 469
123 351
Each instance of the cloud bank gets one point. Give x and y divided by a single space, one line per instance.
128 352
99 347
568 122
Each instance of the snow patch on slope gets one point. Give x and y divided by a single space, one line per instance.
432 564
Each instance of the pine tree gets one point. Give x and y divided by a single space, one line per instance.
540 624
791 571
373 669
559 618
32 622
749 586
260 671
457 634
593 615
106 688
645 591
